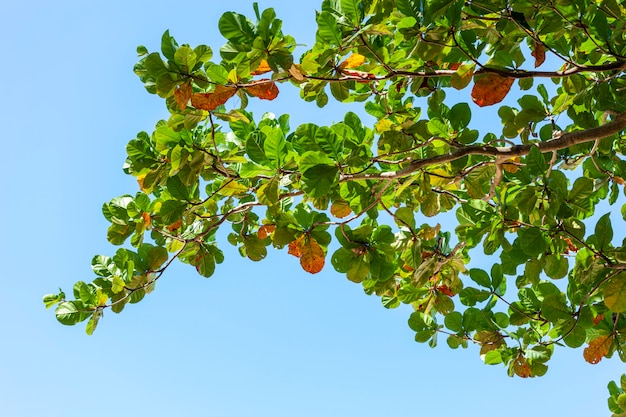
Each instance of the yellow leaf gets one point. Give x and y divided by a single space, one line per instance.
511 165
340 209
352 61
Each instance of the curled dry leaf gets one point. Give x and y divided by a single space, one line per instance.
210 101
263 89
490 89
182 94
262 68
352 61
539 53
597 349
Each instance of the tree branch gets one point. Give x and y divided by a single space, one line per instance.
562 141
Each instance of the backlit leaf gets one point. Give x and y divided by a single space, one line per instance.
615 294
521 367
182 94
352 61
597 349
263 89
340 209
539 53
210 101
490 89
310 253
262 68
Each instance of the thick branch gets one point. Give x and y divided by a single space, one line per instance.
563 141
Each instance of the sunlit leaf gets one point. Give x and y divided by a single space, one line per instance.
210 101
182 95
310 253
597 349
490 89
262 68
263 89
539 53
352 61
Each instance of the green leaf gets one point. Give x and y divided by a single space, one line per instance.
168 45
72 312
532 241
480 277
328 28
236 28
615 293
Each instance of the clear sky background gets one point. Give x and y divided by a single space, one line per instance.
256 339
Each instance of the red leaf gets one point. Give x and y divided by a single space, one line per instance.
263 90
210 101
539 53
182 94
262 68
490 89
597 349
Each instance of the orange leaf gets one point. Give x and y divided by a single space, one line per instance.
262 68
294 247
521 367
182 94
444 289
310 253
352 61
539 53
266 230
174 226
146 218
210 101
597 319
597 349
263 90
490 89
340 209
312 259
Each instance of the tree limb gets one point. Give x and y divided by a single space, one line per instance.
562 141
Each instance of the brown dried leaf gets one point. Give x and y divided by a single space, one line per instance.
262 68
521 366
490 89
539 53
352 61
263 90
210 101
597 349
182 94
296 72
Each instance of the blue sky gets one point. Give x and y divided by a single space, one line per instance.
256 339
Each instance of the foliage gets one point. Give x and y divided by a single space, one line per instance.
522 192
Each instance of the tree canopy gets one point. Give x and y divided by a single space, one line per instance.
398 201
